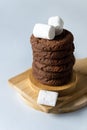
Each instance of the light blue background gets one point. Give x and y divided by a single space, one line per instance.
17 18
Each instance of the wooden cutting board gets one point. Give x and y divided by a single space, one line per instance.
76 97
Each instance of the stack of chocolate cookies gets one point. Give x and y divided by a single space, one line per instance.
53 60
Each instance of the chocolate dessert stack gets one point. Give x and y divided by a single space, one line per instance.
53 60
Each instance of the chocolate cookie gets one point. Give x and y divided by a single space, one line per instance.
60 42
54 69
49 75
55 62
53 54
54 82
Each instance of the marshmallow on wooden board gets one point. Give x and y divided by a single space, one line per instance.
48 98
44 31
58 23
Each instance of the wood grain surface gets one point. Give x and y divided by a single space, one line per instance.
72 96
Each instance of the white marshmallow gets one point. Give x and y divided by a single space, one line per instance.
48 98
58 23
44 31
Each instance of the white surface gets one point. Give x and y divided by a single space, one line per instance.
47 98
17 18
44 31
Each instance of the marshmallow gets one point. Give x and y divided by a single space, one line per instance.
47 98
44 31
58 23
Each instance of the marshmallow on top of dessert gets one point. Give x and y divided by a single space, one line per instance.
44 31
50 30
58 23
